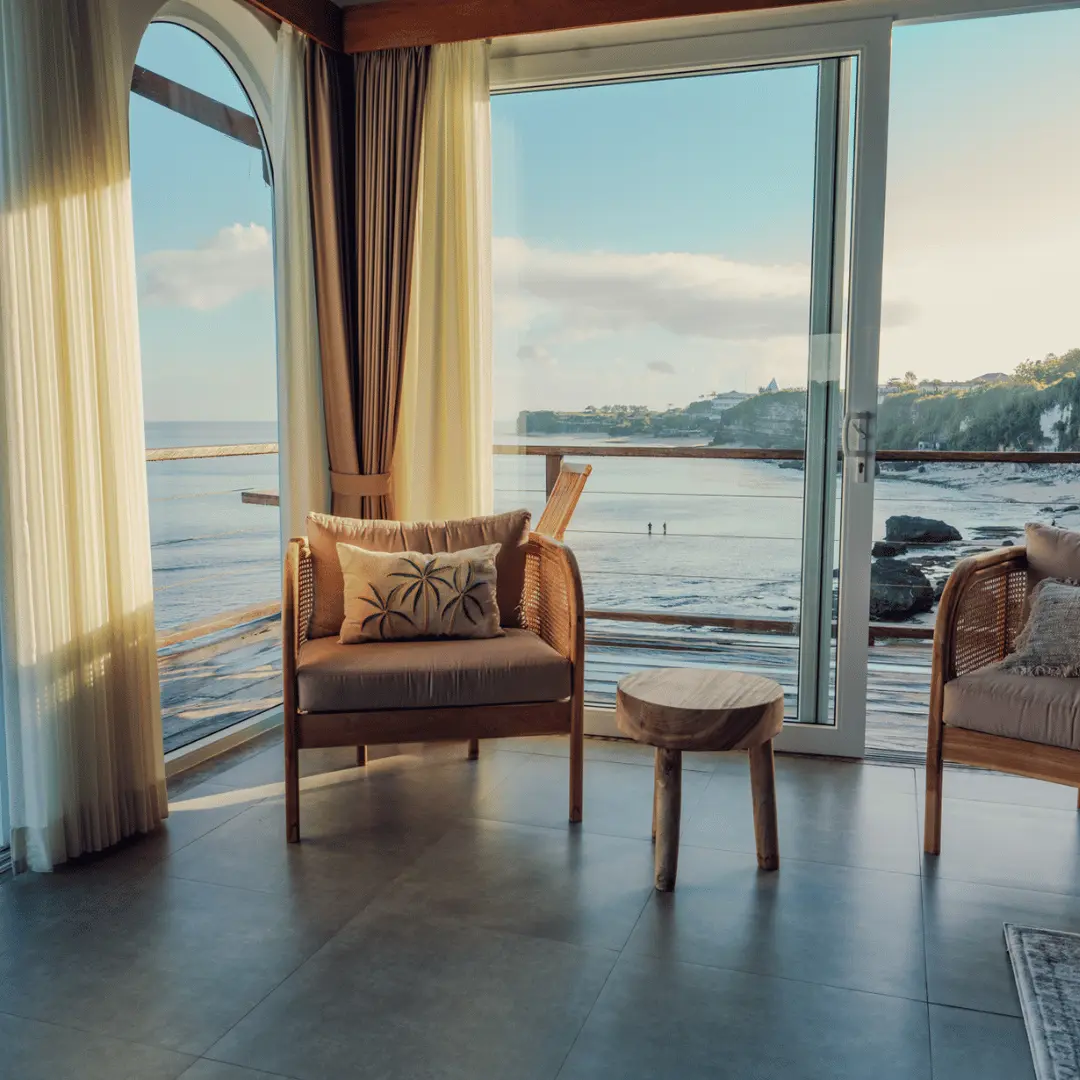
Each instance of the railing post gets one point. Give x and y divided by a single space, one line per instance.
554 464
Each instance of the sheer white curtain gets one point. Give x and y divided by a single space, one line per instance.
77 649
304 470
442 467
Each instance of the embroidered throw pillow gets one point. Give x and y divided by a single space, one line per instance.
1049 644
397 596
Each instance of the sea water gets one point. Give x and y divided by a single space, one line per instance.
733 528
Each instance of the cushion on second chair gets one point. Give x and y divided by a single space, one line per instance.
1049 643
1052 553
510 670
1036 708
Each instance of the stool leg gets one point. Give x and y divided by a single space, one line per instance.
655 793
667 807
474 749
763 790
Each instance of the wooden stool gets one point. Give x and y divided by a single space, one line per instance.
677 709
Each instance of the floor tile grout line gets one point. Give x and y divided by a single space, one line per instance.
101 1035
202 836
929 1045
922 934
328 940
683 845
247 1068
781 978
979 1012
592 1008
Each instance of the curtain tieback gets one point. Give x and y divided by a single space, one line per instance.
371 484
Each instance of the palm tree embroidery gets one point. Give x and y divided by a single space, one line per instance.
384 614
423 578
463 601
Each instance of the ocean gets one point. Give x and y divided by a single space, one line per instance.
733 527
211 552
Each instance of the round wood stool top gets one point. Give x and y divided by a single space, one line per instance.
699 709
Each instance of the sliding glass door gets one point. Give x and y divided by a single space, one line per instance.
675 304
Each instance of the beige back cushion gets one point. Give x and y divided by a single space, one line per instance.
1052 553
325 532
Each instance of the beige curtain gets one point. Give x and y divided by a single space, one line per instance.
442 468
364 121
303 475
77 648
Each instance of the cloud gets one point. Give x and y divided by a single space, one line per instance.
662 367
538 355
572 296
235 261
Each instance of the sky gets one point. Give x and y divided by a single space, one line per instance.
652 240
202 215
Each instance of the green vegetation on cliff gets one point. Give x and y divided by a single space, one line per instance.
774 420
1037 408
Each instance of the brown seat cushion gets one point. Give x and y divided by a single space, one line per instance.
510 670
326 532
1036 708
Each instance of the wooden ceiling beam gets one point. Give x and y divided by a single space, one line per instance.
319 19
396 23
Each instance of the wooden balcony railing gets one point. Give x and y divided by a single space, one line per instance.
554 455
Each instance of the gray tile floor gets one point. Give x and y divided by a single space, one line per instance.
441 920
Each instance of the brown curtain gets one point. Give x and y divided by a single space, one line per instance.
365 117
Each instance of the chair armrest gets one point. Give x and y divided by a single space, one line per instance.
553 605
981 612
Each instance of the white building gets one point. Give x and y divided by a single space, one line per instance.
722 402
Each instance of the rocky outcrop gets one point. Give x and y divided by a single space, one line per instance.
898 590
883 549
920 530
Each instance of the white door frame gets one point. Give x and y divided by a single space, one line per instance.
869 41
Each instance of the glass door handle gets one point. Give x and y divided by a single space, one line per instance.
859 442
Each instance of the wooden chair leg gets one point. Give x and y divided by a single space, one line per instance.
763 792
361 756
292 784
577 768
474 749
935 774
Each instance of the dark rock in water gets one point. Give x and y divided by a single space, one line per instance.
1069 509
996 532
1006 543
882 549
898 590
920 530
939 587
792 465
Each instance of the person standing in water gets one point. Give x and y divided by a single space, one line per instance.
650 528
665 528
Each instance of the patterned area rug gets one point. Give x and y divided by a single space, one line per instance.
1046 964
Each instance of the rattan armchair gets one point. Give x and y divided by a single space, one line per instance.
981 612
552 608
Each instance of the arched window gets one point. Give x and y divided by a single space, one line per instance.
202 206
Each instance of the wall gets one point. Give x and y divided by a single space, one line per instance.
244 36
